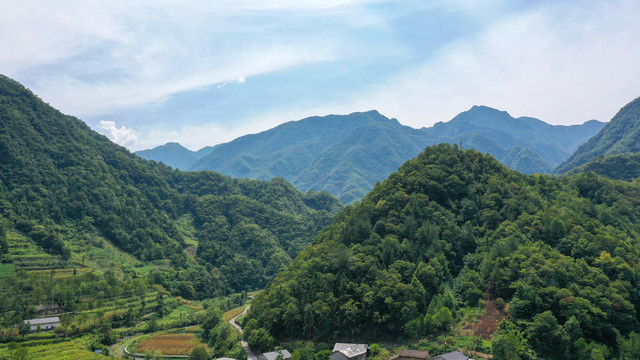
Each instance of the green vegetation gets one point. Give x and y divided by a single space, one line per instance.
69 198
454 228
126 245
620 136
621 166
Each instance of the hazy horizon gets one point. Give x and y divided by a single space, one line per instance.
203 73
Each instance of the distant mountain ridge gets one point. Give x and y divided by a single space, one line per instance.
620 136
526 144
347 154
175 155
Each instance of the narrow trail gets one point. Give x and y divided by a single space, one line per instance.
245 345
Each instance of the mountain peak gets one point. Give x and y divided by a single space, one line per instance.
483 109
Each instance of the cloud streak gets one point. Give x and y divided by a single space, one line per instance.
91 57
209 70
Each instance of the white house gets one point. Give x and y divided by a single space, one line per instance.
342 351
44 323
456 355
273 355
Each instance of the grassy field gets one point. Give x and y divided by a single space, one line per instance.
170 344
233 313
6 270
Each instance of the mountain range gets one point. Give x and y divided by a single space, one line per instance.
347 154
452 243
175 155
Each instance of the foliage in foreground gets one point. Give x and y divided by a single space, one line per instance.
452 226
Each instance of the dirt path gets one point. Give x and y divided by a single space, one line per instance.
245 345
233 319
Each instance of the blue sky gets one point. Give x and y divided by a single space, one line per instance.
147 72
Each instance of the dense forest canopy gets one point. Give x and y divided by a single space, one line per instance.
454 228
620 166
66 190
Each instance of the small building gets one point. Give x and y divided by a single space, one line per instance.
456 355
43 324
273 355
343 351
49 309
405 354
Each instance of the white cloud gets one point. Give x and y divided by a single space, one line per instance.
561 63
122 136
92 57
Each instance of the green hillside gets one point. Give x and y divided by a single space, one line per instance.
620 166
620 136
73 202
455 233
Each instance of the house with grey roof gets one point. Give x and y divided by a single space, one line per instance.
344 351
43 324
405 354
273 355
456 355
50 309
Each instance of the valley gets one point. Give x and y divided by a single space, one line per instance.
453 252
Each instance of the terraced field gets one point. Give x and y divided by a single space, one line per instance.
50 349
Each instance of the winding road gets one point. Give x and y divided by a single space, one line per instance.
245 345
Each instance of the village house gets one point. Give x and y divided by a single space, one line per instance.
273 355
342 351
49 309
405 354
455 355
43 324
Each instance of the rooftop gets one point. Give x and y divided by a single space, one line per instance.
413 354
274 354
48 320
350 350
456 355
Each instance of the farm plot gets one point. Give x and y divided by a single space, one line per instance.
170 344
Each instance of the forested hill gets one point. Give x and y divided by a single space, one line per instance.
175 155
620 136
64 189
619 166
452 227
347 154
